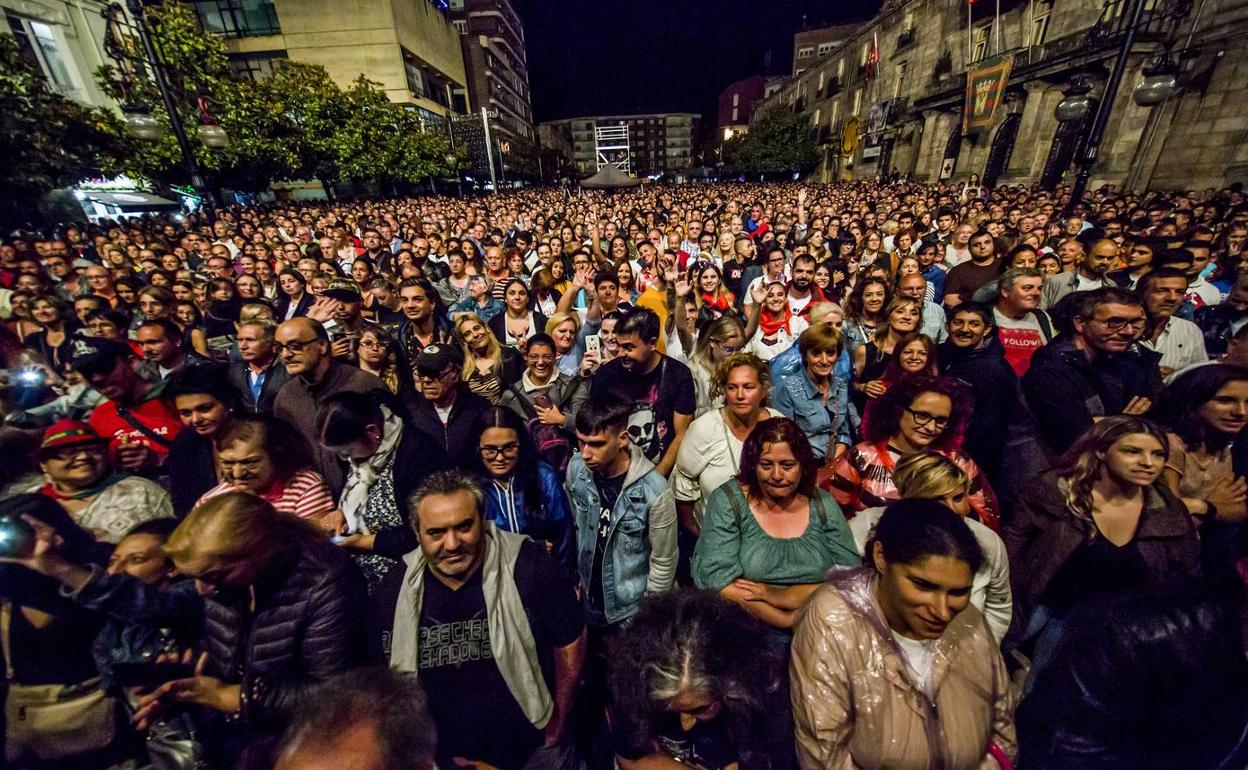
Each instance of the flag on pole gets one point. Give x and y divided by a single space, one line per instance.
873 57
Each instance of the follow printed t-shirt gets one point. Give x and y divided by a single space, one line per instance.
656 397
1021 339
153 413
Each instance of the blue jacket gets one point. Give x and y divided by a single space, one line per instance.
796 396
507 510
640 554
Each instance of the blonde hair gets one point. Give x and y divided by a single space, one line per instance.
234 526
494 350
553 322
929 476
719 380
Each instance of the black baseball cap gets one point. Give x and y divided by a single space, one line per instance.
91 355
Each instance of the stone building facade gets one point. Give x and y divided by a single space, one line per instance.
891 98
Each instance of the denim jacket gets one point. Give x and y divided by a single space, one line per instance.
796 396
640 557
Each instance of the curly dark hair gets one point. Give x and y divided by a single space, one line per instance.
774 431
1178 407
853 306
693 641
888 410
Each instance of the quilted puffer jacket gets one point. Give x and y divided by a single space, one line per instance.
307 625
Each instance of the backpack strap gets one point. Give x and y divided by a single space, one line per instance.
820 508
737 500
125 414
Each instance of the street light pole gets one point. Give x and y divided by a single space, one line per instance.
175 121
1097 131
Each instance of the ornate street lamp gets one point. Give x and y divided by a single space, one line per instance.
1158 84
141 123
209 131
1075 104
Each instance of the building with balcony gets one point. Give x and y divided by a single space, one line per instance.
738 100
812 45
64 40
658 143
498 72
409 46
903 114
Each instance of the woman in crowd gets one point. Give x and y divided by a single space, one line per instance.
488 366
264 456
693 684
769 536
525 494
545 396
717 340
564 329
518 321
295 299
713 298
913 355
205 402
628 283
106 503
155 302
51 342
870 249
545 296
777 327
376 354
932 476
892 667
372 440
1099 524
816 397
864 312
901 317
710 453
479 302
919 414
1204 410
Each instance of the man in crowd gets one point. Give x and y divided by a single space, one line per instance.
495 632
968 276
1097 370
1021 325
659 389
446 412
163 349
803 294
1178 340
1220 323
304 349
258 376
1089 273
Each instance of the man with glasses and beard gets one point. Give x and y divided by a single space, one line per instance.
1095 371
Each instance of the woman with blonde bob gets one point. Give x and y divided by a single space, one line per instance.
932 476
564 329
283 609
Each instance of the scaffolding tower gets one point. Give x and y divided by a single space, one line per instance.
612 148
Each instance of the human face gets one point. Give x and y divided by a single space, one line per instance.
517 298
564 336
708 281
1164 296
1113 327
913 357
450 533
743 392
1136 459
1048 265
1024 295
958 501
253 346
78 466
913 286
201 413
414 303
248 286
601 451
290 286
778 471
803 274
100 280
1069 252
300 351
155 345
475 336
920 600
823 277
925 420
694 708
1227 411
540 360
500 451
904 318
436 386
141 557
873 299
246 467
1200 260
776 299
981 248
1102 257
1139 256
634 352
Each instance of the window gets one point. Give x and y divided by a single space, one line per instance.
819 87
460 26
818 114
901 78
804 53
1040 23
857 101
866 54
238 18
836 108
42 50
840 70
980 42
256 66
736 99
825 48
734 115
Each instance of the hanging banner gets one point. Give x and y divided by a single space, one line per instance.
849 138
985 90
877 117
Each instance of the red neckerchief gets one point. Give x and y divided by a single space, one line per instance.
716 301
771 325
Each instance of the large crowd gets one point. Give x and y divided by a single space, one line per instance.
727 476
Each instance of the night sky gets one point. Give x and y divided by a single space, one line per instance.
598 57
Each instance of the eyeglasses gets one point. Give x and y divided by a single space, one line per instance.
249 464
923 418
1116 323
372 345
68 453
506 450
431 374
294 346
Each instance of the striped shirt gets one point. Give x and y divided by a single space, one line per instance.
305 494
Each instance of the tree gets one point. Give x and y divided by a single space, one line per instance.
381 140
779 142
46 140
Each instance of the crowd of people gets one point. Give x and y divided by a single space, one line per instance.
752 476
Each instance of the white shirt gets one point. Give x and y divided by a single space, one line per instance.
1180 344
709 455
953 257
1206 292
783 340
